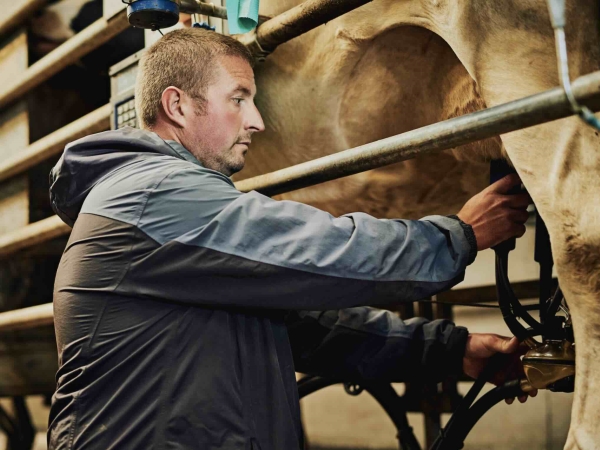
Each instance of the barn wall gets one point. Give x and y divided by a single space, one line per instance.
112 7
14 134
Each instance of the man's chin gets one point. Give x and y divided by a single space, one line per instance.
235 168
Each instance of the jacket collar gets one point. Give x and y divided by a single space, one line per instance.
183 153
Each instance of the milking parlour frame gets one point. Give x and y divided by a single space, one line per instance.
581 98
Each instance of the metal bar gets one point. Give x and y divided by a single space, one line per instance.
19 15
53 144
33 234
25 318
302 18
539 108
485 294
211 10
72 50
272 32
207 9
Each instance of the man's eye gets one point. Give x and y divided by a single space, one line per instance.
238 100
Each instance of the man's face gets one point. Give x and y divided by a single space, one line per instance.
220 135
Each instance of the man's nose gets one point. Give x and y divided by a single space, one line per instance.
255 121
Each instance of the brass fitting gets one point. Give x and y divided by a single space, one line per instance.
531 342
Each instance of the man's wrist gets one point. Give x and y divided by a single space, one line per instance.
470 236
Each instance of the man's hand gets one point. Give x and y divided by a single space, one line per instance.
480 347
494 215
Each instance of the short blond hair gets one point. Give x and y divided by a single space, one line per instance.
183 58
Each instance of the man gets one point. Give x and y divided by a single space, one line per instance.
182 306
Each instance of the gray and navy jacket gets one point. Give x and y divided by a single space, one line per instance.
182 306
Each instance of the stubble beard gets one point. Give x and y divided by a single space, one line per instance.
233 162
227 163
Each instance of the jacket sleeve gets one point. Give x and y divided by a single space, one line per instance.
218 246
367 343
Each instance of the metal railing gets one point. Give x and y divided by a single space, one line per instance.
26 318
526 112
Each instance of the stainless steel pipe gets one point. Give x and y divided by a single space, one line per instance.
207 9
302 18
294 22
534 110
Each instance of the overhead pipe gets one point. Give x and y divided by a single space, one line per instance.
293 23
207 9
301 19
272 32
66 54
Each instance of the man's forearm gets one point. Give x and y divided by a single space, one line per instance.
367 343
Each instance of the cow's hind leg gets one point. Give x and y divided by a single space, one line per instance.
578 266
560 165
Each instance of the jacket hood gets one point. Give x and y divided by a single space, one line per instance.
88 160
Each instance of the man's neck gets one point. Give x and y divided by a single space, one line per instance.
166 132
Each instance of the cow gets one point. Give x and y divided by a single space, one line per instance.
395 65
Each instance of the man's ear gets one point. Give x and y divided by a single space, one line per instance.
172 100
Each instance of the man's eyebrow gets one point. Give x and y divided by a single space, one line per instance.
244 90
